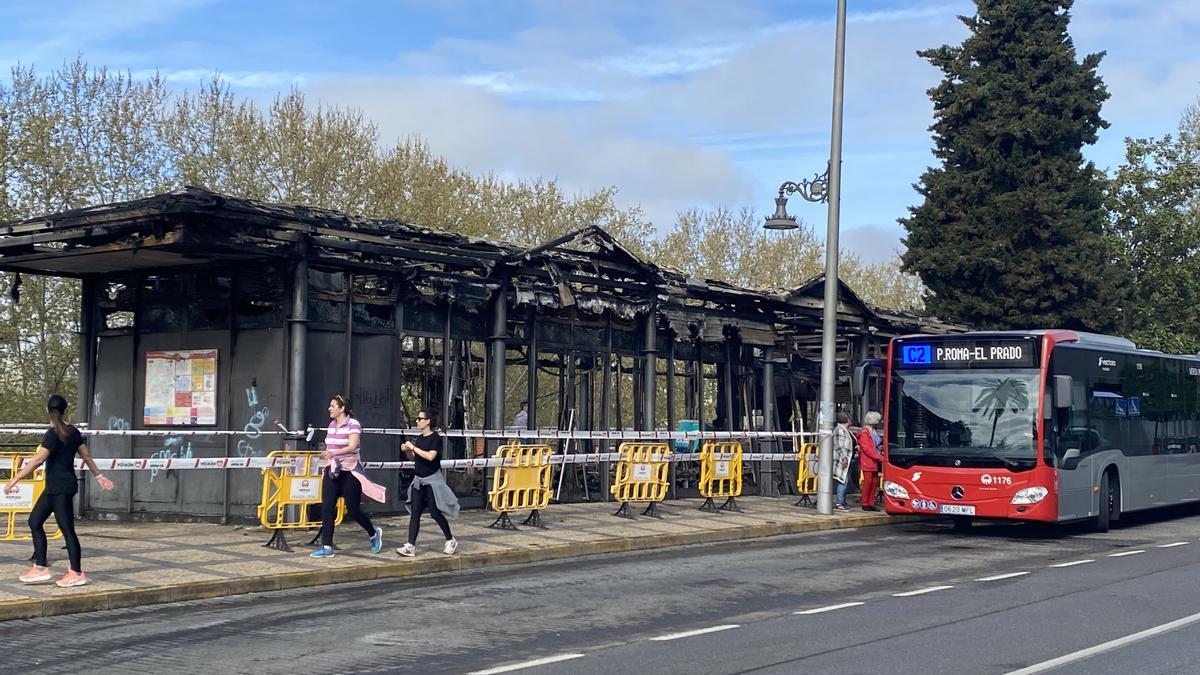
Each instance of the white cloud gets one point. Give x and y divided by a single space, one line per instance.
244 80
53 34
679 103
872 243
482 132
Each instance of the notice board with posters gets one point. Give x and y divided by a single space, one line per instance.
181 388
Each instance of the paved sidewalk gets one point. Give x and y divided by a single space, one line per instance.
133 564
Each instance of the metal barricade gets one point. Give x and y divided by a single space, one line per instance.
522 482
721 475
288 491
806 474
641 477
18 506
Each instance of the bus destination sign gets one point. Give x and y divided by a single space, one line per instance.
967 354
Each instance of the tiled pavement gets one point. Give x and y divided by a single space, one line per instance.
132 564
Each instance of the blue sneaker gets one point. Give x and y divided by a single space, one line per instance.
377 540
323 552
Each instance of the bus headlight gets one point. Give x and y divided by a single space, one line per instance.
1030 495
894 491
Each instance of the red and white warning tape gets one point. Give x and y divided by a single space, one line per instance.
184 463
498 434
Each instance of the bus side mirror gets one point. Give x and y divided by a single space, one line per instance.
858 380
1063 391
1070 459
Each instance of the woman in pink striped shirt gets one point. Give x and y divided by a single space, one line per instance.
343 477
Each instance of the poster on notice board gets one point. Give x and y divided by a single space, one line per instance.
181 388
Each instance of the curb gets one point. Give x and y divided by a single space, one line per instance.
138 597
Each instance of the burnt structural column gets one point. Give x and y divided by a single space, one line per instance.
649 369
447 376
84 407
671 405
727 382
605 404
766 479
494 419
531 374
297 352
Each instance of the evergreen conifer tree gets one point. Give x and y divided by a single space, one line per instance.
1011 231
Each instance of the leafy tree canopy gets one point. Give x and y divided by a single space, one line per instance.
1011 230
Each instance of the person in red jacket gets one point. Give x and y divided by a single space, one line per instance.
870 459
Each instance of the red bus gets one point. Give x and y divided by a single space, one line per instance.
1043 425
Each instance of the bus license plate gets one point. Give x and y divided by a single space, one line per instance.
958 510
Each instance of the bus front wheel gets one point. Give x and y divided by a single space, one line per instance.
1109 504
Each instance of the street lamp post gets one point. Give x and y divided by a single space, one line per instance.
828 188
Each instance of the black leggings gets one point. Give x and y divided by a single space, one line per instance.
60 505
422 499
349 489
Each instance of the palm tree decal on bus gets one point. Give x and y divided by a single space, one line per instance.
1001 396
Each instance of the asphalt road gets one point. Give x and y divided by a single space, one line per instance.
932 601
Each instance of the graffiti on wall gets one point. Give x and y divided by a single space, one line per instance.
252 430
174 447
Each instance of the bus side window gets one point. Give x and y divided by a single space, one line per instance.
1108 412
1074 432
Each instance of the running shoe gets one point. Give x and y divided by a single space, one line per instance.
377 540
72 578
323 552
451 546
35 575
407 550
841 507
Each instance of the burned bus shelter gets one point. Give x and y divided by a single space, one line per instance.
205 311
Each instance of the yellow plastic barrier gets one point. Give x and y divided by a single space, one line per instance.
287 492
806 475
14 509
641 477
720 474
523 482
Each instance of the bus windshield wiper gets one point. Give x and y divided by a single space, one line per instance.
1006 461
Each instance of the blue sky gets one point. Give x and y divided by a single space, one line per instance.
676 103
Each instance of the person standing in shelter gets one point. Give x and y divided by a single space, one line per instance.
843 456
521 419
428 489
343 477
57 451
870 458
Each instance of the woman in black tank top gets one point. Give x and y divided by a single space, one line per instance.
57 452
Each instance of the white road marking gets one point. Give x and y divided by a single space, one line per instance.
1073 563
830 608
526 664
1122 554
1106 646
690 633
920 591
1178 543
998 577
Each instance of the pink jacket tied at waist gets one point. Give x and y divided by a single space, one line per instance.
337 438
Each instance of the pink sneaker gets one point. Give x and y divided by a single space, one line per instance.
72 578
36 574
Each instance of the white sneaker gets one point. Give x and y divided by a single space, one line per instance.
407 550
451 546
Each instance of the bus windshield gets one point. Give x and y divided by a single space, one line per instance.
975 418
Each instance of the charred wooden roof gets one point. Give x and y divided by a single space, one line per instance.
586 269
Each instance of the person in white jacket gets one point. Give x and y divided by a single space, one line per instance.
843 455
